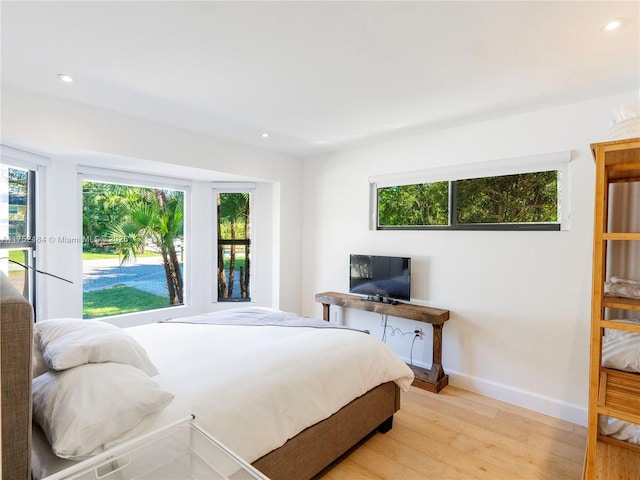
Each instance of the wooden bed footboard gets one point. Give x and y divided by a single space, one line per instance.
315 448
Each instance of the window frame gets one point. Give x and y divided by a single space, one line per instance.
36 166
558 161
29 241
135 179
232 187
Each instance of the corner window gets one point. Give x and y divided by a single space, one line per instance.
133 248
529 200
234 246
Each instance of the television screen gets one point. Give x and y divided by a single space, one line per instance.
380 276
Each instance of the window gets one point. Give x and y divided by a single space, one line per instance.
133 247
525 198
17 228
234 246
532 199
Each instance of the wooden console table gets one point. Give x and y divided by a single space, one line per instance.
433 379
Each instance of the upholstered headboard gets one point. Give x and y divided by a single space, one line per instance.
16 344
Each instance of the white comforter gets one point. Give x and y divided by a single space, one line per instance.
254 387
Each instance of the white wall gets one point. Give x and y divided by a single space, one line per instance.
74 134
519 301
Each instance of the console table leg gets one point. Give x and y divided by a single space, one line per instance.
325 311
436 372
437 346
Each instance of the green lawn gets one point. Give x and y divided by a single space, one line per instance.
16 255
118 300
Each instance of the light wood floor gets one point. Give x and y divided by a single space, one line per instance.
457 434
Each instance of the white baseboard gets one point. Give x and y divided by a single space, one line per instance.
516 396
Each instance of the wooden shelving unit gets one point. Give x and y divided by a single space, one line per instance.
432 379
611 392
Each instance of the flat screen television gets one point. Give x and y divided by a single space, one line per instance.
380 278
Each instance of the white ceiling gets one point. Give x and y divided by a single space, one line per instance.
320 76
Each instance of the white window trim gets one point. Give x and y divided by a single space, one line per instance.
559 161
15 157
233 187
132 179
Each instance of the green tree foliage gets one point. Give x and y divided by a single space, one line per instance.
522 198
104 205
414 205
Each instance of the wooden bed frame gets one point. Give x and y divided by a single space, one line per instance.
317 447
301 458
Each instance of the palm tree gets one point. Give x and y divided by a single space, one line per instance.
233 212
158 216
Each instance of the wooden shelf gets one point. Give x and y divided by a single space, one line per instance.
433 379
435 316
624 173
622 303
618 325
621 236
611 392
614 461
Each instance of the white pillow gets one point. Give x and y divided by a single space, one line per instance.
38 364
82 408
621 350
69 342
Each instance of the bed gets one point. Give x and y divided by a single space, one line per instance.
288 399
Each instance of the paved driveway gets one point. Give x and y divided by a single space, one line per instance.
146 274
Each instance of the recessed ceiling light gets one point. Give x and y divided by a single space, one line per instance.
65 78
265 135
612 25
